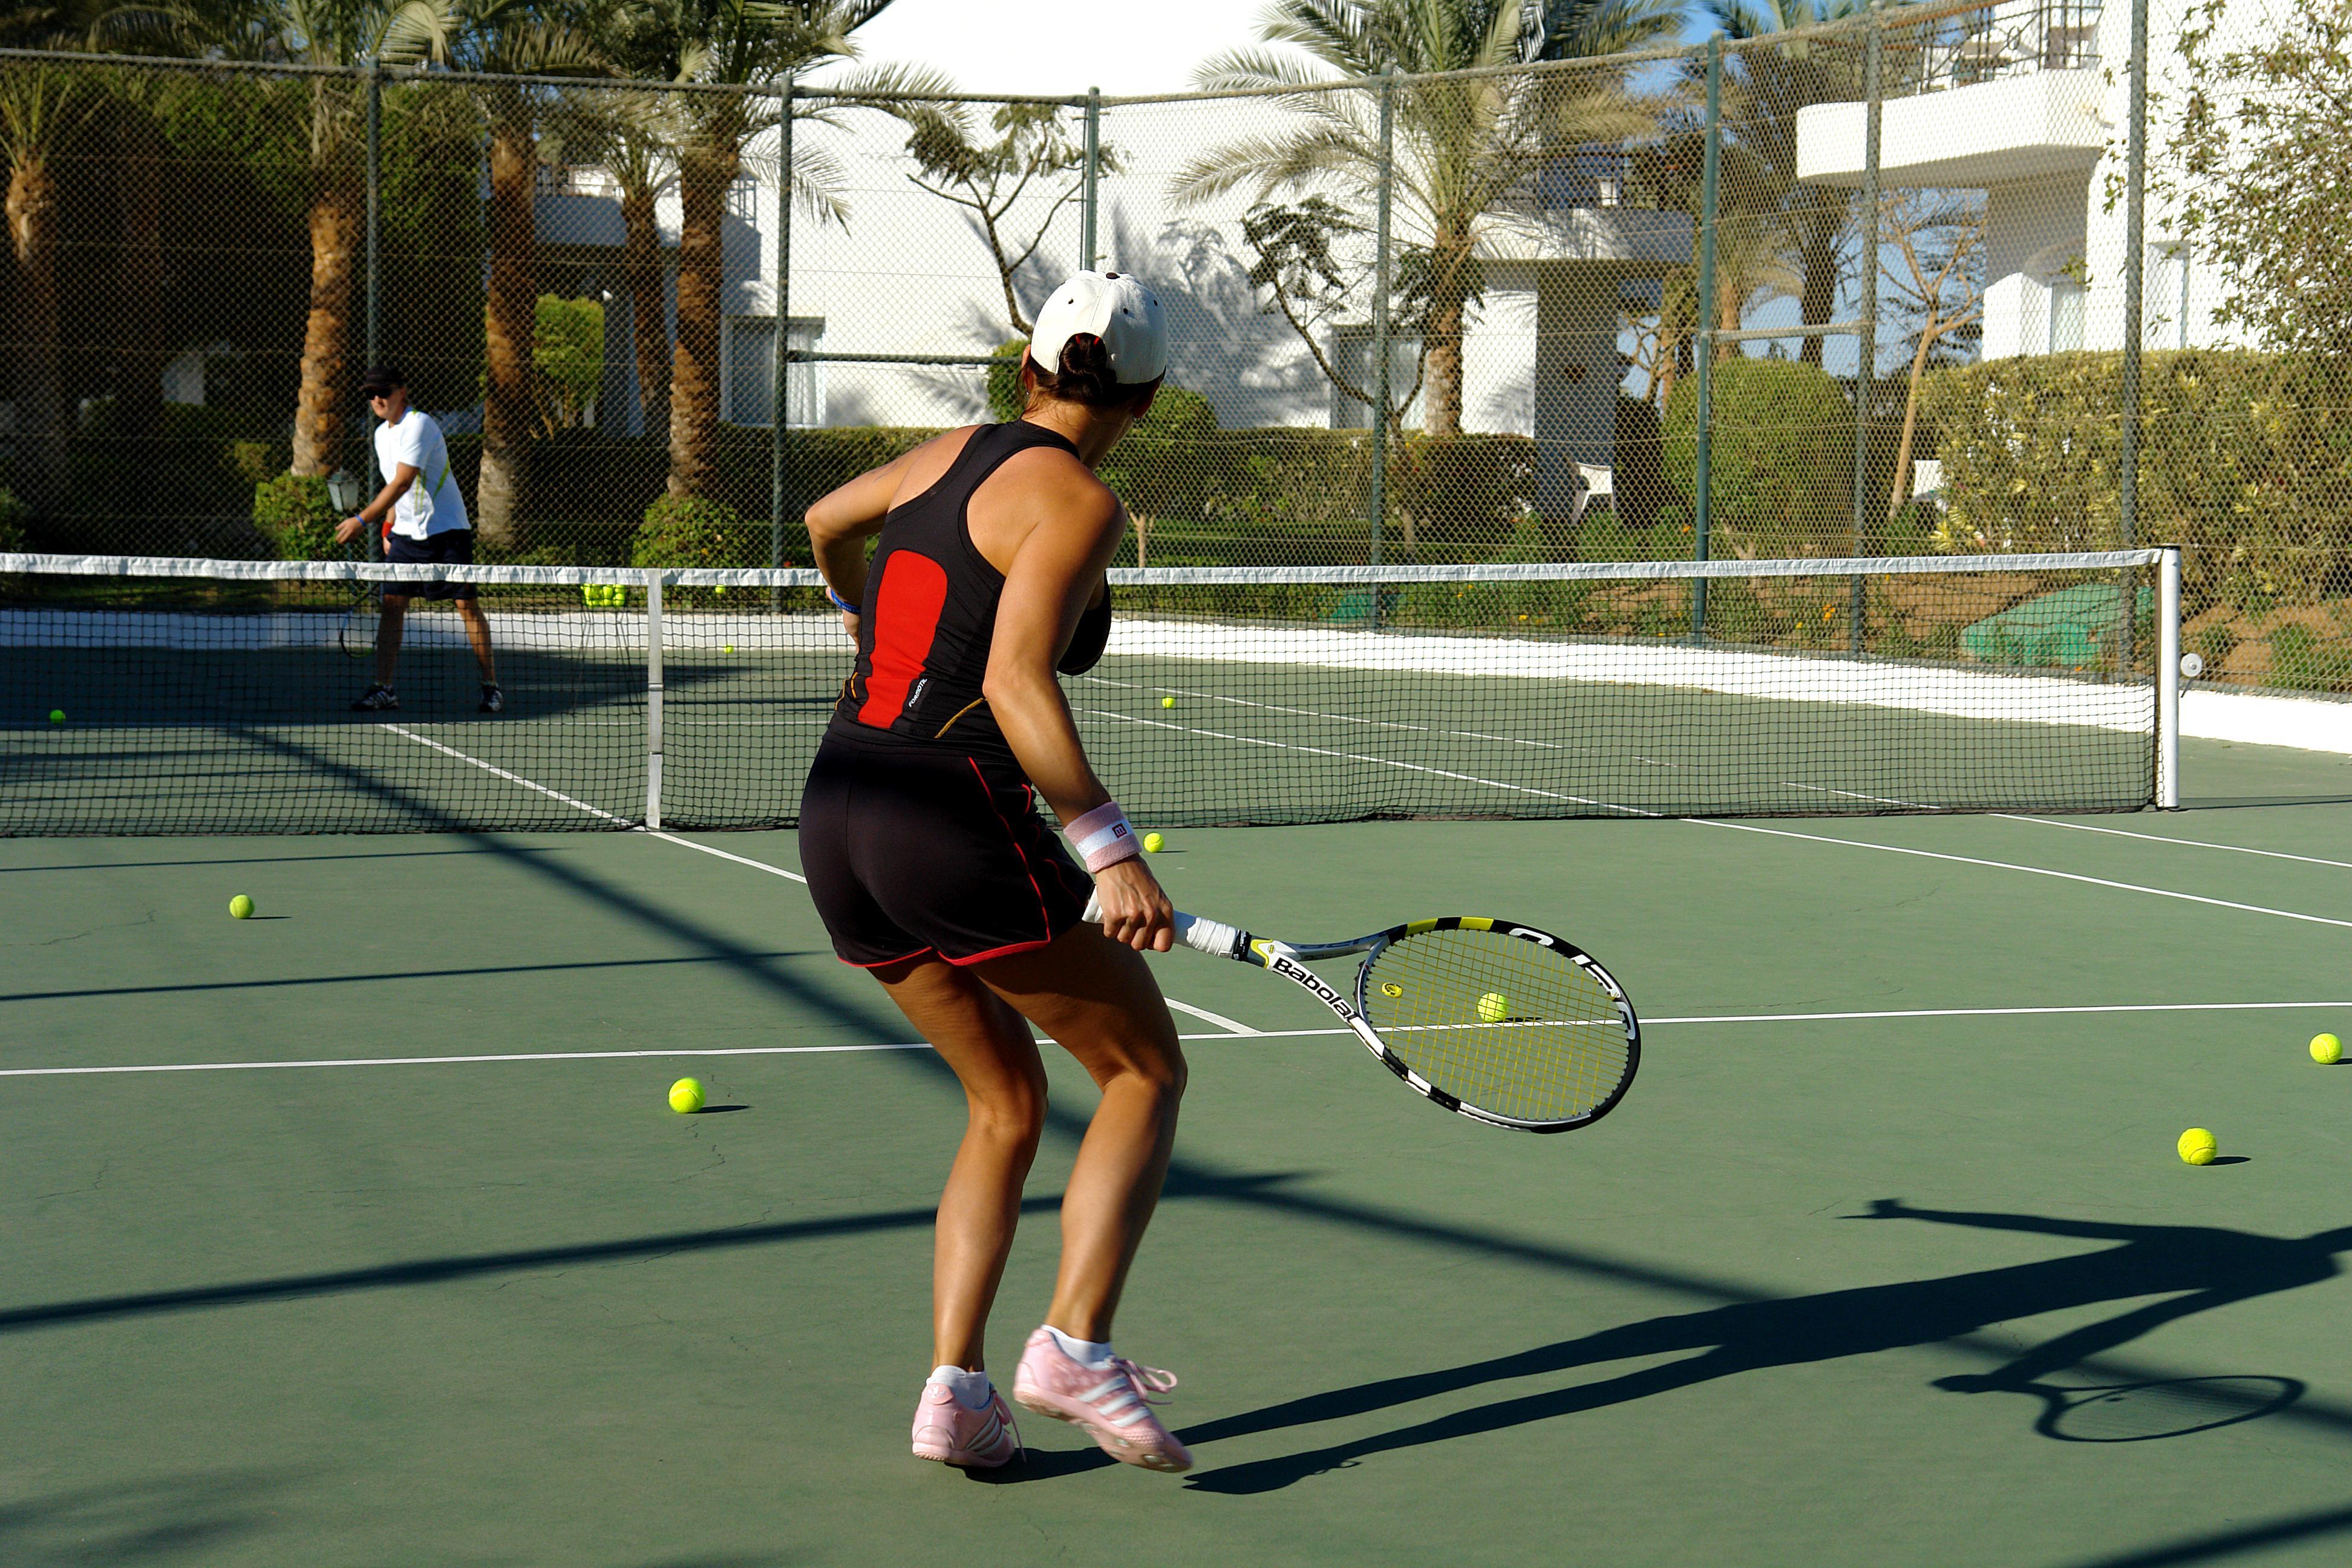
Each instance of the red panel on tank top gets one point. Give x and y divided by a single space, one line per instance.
906 618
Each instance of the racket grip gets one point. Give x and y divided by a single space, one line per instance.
1215 938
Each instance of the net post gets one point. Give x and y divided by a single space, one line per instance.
2168 679
653 699
1710 181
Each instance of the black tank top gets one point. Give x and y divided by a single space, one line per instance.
930 615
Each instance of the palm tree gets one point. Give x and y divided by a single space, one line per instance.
753 44
43 107
628 134
1464 145
1772 84
514 37
340 34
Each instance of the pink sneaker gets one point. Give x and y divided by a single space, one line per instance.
1111 1401
947 1431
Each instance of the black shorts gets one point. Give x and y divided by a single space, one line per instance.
451 547
911 850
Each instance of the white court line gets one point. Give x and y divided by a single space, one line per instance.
502 773
1208 1017
2030 870
1256 1034
2186 843
723 855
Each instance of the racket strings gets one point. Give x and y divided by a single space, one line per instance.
1500 1023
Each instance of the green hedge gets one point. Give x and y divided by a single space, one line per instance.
2245 456
1781 459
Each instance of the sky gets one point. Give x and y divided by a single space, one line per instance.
1057 46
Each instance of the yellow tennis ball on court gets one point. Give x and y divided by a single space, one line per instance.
686 1096
57 715
2326 1049
1494 1007
728 649
1168 702
1153 843
2197 1146
240 908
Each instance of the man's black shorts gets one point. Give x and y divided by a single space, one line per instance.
451 547
911 850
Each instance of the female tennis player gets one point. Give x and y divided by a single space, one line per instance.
933 871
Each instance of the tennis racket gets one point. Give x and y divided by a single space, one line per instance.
1499 1022
362 611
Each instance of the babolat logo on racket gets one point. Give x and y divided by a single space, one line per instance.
1290 970
1525 934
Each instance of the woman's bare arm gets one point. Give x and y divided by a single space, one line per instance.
841 522
1053 576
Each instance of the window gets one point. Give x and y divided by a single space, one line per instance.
750 357
1351 348
2066 303
2165 311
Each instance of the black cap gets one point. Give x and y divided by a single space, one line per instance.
381 379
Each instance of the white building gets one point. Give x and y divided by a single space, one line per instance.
2029 100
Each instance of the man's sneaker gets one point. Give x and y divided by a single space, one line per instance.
376 699
493 700
951 1433
1111 1402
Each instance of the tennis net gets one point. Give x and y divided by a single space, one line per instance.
158 695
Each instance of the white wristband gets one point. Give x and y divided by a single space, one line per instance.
1102 837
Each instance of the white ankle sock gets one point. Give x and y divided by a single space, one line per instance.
1087 1352
972 1390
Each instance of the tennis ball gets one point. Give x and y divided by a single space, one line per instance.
2326 1049
686 1096
719 591
1494 1007
2197 1146
240 908
57 715
730 649
1153 843
1168 702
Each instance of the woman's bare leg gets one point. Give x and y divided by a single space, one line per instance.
1004 1087
1099 1000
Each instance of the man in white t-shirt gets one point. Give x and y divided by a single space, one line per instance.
424 521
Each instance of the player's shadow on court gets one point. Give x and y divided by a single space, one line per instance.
2196 1268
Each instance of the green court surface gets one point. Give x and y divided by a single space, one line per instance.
1887 1259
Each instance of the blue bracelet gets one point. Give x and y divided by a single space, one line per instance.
844 605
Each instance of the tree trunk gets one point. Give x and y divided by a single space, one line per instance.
40 364
1899 489
511 330
1449 301
706 169
327 379
140 347
641 264
1818 227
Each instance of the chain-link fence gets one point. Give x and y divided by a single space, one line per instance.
1884 285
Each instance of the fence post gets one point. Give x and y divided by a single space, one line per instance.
1089 253
373 284
2135 248
781 289
1380 283
1865 365
1705 336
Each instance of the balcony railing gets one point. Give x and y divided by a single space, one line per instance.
2014 37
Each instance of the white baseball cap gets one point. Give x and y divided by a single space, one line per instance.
1114 307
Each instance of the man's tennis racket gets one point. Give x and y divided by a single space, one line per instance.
1500 1022
362 611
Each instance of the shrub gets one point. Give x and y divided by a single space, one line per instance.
297 516
1781 459
14 514
689 531
2246 457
